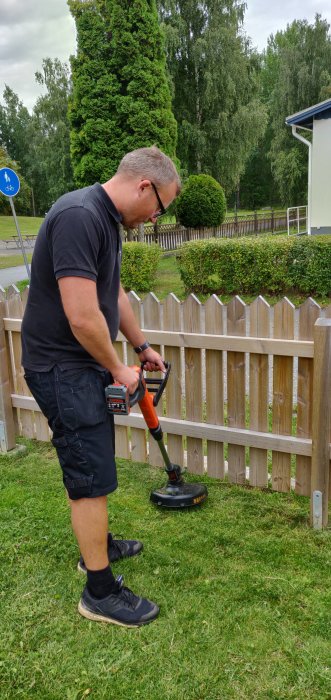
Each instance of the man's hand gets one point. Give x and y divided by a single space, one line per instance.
128 376
152 360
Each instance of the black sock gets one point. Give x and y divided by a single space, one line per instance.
101 583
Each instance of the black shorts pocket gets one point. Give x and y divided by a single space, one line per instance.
76 470
81 398
81 487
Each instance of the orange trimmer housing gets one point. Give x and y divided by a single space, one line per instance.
148 410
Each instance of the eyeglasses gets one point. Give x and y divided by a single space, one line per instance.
162 208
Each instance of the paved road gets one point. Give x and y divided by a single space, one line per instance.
11 275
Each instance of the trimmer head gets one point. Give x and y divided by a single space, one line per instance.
179 496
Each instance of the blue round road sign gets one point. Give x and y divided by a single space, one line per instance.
9 182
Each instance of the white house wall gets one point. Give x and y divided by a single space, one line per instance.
321 177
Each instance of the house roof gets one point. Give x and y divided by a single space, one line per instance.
306 117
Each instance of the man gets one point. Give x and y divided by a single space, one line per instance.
75 307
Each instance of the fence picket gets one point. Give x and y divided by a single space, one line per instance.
327 314
13 340
214 386
24 297
122 446
309 312
236 325
42 429
193 383
258 391
172 322
152 319
15 310
6 412
282 395
321 427
138 435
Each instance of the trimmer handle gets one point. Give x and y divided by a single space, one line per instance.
157 386
139 393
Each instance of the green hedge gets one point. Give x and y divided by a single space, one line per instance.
139 266
255 265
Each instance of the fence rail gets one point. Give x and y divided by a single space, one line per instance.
249 383
14 242
171 236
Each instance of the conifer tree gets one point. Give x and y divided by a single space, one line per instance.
121 95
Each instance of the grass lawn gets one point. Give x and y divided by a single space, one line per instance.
13 260
29 226
168 280
244 588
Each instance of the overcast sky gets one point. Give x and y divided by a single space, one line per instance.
31 30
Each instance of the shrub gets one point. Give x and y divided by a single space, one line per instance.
264 264
310 264
139 266
201 203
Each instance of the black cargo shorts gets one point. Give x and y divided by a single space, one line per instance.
73 401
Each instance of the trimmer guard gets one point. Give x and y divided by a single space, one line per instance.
182 496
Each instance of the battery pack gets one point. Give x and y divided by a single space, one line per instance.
117 398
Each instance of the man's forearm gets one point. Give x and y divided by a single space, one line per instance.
93 335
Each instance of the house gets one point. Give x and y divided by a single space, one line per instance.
317 121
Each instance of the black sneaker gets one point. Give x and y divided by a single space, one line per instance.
117 549
122 608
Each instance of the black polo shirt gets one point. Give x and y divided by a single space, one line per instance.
78 238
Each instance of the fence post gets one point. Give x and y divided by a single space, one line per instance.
156 232
256 223
272 220
321 422
7 425
140 233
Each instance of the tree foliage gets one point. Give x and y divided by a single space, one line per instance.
23 199
121 96
40 142
14 127
296 75
257 185
50 170
214 79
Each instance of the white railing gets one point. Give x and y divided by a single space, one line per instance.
297 220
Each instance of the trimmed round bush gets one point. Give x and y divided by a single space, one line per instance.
139 266
201 203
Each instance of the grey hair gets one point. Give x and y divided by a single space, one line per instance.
150 163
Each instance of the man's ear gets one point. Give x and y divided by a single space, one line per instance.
143 184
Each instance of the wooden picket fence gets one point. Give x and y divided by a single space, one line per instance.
172 236
251 384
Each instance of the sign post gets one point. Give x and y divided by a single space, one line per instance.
10 186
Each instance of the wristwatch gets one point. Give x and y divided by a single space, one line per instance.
141 348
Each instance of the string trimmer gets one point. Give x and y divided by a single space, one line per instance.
176 493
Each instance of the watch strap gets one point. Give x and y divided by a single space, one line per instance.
141 348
